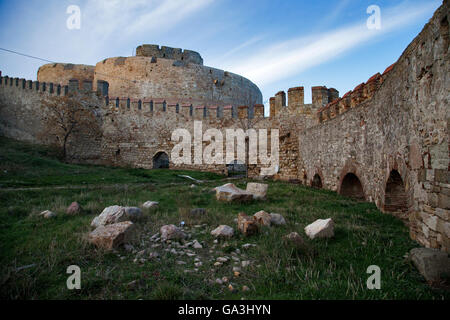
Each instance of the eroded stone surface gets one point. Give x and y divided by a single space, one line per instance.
112 235
258 190
230 193
171 232
431 263
223 231
321 228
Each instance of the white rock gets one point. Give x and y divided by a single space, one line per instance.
258 190
47 214
112 235
245 263
223 231
110 215
150 205
322 228
197 245
222 259
229 193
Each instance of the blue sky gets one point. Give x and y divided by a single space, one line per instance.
276 44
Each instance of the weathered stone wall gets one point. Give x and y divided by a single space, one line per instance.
23 116
175 81
153 50
61 73
397 122
386 141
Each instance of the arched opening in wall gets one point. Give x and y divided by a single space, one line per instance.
316 182
236 169
395 200
161 161
351 187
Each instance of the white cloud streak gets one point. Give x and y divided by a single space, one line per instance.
285 59
107 18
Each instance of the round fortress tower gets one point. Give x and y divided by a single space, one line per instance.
174 75
61 73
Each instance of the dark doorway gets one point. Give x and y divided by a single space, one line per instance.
236 168
395 200
317 182
352 187
161 161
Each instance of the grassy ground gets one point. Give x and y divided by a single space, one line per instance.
328 269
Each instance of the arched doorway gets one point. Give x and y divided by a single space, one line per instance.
161 161
316 182
352 187
395 200
236 168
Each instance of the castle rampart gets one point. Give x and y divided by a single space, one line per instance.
385 141
153 50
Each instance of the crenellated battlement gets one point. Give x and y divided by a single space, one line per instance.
295 102
154 50
146 106
352 99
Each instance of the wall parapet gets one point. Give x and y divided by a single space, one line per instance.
353 98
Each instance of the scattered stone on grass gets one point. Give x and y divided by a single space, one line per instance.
171 232
433 264
223 231
230 193
263 218
47 214
247 225
258 190
112 235
150 205
74 209
321 228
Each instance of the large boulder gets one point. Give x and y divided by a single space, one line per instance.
133 213
247 224
115 214
230 193
263 218
223 231
109 215
112 235
171 232
74 208
277 219
258 190
433 264
322 228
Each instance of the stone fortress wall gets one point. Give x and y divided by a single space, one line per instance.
386 141
61 73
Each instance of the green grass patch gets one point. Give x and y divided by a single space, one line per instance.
328 269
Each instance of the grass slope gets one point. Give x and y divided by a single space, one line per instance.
329 269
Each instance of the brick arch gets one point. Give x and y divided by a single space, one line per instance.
350 182
161 160
396 199
314 181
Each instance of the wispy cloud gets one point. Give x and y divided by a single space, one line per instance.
281 60
107 18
